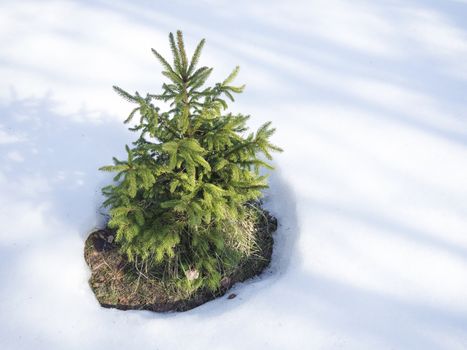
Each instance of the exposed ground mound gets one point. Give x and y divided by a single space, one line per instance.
117 284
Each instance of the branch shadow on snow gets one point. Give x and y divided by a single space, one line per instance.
50 200
305 65
53 159
352 315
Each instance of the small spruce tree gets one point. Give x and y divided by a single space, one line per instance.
180 201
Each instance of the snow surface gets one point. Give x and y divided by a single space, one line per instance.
369 99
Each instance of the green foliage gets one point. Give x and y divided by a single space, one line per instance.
179 199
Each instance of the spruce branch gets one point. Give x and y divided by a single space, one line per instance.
125 94
181 50
162 60
196 55
175 53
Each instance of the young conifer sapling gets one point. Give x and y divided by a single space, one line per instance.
181 202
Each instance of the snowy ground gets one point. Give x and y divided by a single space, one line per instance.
369 99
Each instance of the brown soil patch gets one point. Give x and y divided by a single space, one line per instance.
116 283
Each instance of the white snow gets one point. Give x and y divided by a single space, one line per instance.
369 99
